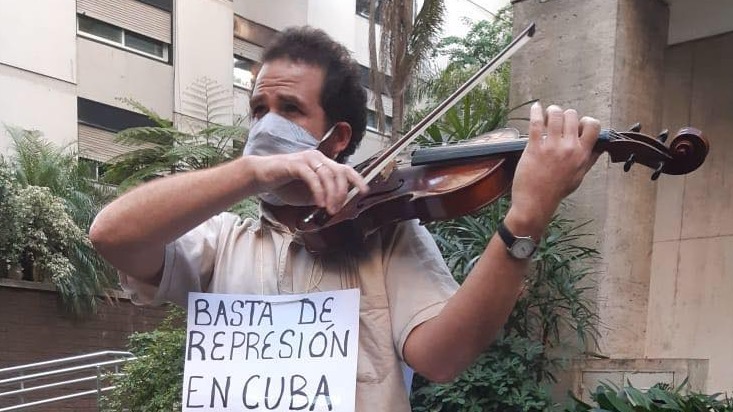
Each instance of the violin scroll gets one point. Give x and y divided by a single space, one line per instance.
689 149
685 154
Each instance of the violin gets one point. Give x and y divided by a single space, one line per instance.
445 182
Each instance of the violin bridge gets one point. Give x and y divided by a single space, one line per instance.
387 171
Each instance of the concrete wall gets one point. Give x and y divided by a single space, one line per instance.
107 73
549 68
338 19
609 70
641 373
34 330
694 19
627 236
690 302
34 102
48 32
38 74
203 51
276 14
665 281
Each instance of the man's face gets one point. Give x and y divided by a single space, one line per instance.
293 91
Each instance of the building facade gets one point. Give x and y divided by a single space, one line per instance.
68 68
664 284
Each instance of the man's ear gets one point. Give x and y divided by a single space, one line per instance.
338 141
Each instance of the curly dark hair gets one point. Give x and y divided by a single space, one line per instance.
342 96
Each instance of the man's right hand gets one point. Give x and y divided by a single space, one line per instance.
306 178
132 231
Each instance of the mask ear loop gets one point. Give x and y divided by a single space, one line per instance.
327 135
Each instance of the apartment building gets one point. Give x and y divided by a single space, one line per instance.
67 66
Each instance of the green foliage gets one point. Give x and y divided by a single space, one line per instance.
38 162
153 382
502 379
49 234
484 40
47 208
10 229
661 397
516 370
164 148
514 373
485 108
405 44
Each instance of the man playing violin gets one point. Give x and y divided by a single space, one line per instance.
170 236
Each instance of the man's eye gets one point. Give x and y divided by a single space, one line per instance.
291 108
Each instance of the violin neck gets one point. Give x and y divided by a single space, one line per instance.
468 152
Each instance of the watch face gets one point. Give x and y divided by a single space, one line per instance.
523 248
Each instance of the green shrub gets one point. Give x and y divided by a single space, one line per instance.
516 371
46 207
10 230
153 382
502 379
659 398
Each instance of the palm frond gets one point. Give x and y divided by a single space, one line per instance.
150 114
164 136
426 29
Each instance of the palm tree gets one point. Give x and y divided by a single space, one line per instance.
164 149
406 41
57 205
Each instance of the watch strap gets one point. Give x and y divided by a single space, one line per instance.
513 242
506 235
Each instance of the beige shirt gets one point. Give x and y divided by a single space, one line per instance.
400 272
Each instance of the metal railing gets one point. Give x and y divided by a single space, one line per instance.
25 383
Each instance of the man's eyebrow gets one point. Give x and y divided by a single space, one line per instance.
290 98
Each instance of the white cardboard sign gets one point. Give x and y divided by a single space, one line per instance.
271 353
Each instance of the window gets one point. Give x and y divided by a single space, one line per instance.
100 29
244 72
372 122
146 45
365 81
362 9
126 39
110 118
92 169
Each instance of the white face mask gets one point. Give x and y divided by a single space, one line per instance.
273 134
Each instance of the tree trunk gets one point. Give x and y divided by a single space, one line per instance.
398 107
376 77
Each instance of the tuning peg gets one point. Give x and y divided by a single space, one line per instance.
658 171
663 136
636 128
629 162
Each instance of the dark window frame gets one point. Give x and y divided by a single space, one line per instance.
110 118
364 80
122 45
362 9
166 5
254 65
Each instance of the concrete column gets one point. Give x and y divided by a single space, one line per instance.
203 60
38 69
605 59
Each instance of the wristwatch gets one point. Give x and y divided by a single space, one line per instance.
519 247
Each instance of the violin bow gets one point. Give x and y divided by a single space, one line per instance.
320 216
